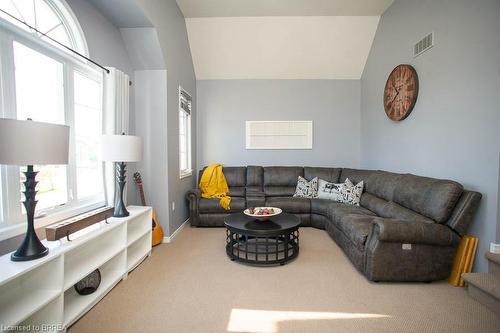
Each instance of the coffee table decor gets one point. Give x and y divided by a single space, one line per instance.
262 213
272 241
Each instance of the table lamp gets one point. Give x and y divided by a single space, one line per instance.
121 148
26 142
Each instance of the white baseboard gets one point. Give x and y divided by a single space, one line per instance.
169 239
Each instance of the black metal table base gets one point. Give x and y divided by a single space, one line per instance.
257 250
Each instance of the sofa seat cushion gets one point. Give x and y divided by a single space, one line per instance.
322 206
337 213
290 204
332 209
212 205
357 227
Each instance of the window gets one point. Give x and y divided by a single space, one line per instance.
51 17
40 96
185 103
40 82
88 129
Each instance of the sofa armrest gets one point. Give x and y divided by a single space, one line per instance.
414 232
193 196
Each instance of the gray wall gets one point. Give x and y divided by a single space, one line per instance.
172 35
453 131
332 105
498 204
151 105
103 38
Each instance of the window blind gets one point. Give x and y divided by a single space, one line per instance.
185 102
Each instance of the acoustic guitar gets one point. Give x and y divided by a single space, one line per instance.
157 230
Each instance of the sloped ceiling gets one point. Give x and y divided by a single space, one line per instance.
328 47
281 39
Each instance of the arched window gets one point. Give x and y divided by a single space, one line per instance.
43 81
52 18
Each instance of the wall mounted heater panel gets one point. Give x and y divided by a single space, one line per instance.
279 134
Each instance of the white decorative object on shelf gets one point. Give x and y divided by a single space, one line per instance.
41 291
494 248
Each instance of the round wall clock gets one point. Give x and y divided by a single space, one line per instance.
400 93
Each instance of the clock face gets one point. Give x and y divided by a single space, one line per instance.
400 93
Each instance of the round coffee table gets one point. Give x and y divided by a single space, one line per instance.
270 242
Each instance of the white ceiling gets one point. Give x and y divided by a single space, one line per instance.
230 8
287 47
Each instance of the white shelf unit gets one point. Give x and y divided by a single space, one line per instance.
111 273
136 250
41 293
46 317
87 256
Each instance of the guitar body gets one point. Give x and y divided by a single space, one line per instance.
157 231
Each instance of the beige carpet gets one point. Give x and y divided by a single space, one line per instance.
191 286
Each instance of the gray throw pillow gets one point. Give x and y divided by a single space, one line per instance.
330 191
306 189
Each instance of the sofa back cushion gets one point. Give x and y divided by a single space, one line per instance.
331 175
355 175
281 181
382 184
235 178
434 198
373 203
428 198
255 178
394 211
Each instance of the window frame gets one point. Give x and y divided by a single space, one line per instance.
12 223
188 172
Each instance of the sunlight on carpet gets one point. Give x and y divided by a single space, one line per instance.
257 321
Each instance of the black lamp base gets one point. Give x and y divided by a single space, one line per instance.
120 209
31 247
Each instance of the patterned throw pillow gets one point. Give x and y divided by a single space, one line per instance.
306 189
350 193
330 191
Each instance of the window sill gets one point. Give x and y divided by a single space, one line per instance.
186 174
10 231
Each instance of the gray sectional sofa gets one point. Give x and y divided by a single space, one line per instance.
406 228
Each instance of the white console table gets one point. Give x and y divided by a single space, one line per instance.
40 292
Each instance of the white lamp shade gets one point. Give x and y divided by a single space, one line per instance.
121 148
26 142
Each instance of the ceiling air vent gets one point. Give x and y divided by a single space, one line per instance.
423 45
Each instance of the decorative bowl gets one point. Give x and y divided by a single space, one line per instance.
262 217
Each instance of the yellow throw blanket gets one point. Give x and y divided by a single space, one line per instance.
213 185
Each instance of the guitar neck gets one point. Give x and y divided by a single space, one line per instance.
141 193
